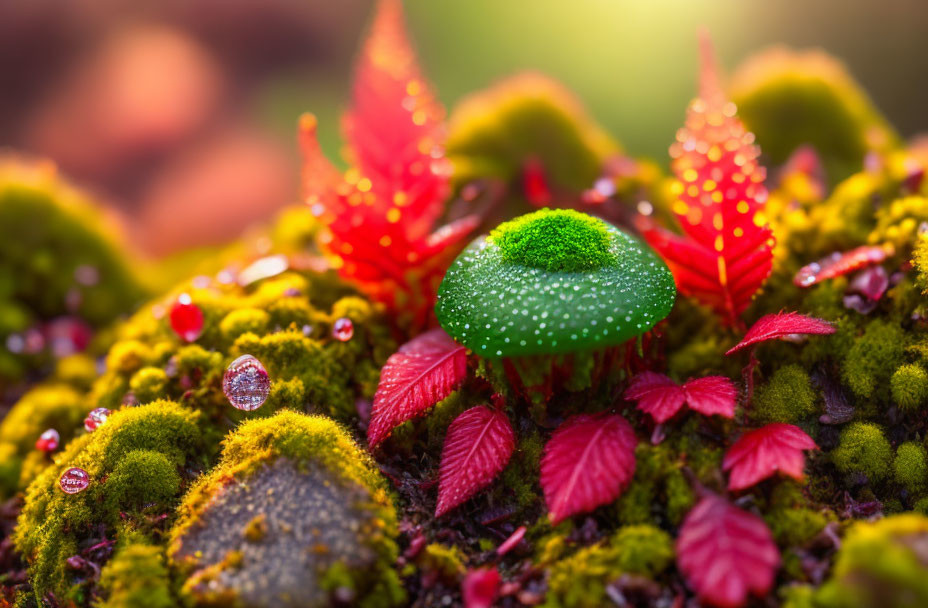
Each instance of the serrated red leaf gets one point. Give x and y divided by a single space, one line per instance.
380 215
771 327
725 253
477 447
480 587
840 263
587 463
656 395
662 398
421 373
759 454
726 553
712 395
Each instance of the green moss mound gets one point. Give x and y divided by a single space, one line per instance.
787 397
863 448
135 463
554 240
60 256
136 576
789 98
293 495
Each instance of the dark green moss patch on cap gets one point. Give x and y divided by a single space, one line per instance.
500 297
555 240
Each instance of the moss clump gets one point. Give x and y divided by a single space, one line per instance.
51 406
59 255
133 462
292 494
787 397
863 448
579 581
136 576
873 358
911 466
560 240
148 384
909 386
880 564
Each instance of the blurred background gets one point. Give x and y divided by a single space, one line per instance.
180 114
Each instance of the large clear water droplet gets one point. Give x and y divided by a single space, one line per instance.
96 418
74 480
246 383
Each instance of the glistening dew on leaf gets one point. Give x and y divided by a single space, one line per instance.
553 281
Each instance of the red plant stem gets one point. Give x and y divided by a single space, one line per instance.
748 375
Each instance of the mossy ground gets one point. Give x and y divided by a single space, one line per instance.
175 462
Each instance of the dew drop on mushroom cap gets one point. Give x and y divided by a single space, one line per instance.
551 282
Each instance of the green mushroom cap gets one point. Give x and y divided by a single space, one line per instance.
550 282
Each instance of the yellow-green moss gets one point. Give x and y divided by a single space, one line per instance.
863 448
444 560
880 564
911 466
787 397
580 581
133 462
909 386
50 406
136 577
148 384
872 359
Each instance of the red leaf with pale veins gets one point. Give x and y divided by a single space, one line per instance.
588 462
657 395
477 447
840 263
726 553
711 395
662 398
759 454
725 252
421 373
771 327
480 587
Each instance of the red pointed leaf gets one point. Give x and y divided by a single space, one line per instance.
657 395
662 398
726 553
759 454
380 215
477 447
770 327
711 395
840 263
726 252
421 373
480 587
588 462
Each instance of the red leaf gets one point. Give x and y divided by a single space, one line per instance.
726 553
662 398
480 587
477 447
657 395
380 215
761 453
711 395
510 543
587 463
839 263
782 324
726 252
421 373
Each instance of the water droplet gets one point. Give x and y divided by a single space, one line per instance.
343 329
96 418
48 441
263 268
186 318
74 480
246 383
